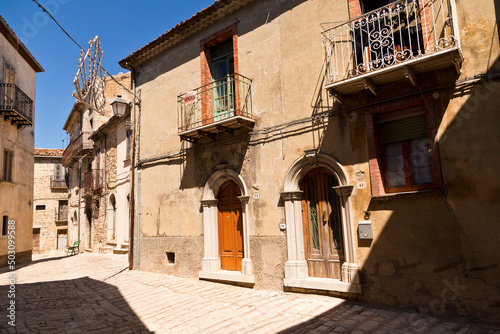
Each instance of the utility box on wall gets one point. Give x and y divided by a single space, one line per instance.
365 229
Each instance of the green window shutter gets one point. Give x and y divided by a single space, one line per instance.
402 129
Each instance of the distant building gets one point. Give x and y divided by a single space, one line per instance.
98 179
50 200
18 70
112 144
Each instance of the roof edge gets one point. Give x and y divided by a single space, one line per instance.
12 38
77 107
181 31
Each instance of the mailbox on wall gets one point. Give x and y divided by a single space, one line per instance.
365 229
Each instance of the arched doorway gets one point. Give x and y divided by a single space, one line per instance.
313 186
322 226
230 225
227 187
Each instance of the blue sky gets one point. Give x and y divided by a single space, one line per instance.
123 26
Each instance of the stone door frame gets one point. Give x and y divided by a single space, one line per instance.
210 264
296 271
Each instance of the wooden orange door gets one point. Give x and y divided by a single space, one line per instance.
230 226
322 227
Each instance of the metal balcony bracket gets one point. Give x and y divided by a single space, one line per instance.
189 139
224 129
244 124
336 95
206 134
369 85
312 156
410 76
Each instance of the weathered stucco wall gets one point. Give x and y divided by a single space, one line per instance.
433 250
16 198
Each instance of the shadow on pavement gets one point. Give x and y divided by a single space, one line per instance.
361 317
81 305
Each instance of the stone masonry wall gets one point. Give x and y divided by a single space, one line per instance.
49 197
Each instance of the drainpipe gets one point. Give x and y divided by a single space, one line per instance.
135 146
138 216
138 127
79 193
132 181
105 187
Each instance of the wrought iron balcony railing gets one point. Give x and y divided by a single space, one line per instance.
404 31
15 105
93 182
77 148
215 103
58 183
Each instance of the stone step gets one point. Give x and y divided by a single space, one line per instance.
125 245
120 251
108 249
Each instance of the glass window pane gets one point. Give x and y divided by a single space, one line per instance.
314 213
334 215
220 69
57 171
395 165
420 163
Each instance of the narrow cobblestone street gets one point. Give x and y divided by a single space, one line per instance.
96 293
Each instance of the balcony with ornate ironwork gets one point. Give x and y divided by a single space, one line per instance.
395 42
58 184
93 182
221 106
15 105
77 148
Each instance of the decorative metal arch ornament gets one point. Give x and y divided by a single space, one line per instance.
89 79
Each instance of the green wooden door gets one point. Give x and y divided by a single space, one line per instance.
222 80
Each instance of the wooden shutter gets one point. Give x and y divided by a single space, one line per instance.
402 129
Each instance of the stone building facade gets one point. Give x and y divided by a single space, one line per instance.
112 145
50 201
18 69
277 149
91 167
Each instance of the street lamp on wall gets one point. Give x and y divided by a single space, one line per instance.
119 106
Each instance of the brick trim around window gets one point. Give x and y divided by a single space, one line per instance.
212 40
354 8
374 150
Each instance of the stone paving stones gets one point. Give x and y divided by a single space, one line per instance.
96 293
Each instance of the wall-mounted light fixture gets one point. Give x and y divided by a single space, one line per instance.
119 106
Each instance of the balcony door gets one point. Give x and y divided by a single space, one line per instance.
322 228
63 210
389 33
230 226
222 69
